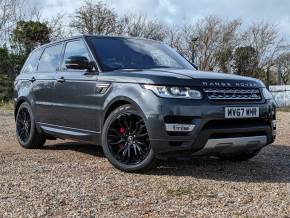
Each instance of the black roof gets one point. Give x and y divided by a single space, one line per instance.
90 35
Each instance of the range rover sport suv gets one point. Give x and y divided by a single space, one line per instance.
141 101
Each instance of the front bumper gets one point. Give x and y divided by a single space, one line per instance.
210 124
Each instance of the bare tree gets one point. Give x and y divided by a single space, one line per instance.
283 65
12 11
95 18
268 44
208 39
8 17
58 27
140 26
174 38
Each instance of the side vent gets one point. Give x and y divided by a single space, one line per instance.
102 87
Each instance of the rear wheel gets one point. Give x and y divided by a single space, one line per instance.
240 156
26 133
126 141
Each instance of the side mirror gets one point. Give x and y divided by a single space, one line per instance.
78 63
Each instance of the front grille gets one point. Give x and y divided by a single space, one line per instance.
233 94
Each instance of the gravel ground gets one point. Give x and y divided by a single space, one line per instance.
75 180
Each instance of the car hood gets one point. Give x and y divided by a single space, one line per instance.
181 77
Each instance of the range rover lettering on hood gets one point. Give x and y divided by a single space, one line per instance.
230 84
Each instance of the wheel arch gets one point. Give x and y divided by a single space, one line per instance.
19 102
117 102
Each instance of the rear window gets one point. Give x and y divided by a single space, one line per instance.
32 62
49 61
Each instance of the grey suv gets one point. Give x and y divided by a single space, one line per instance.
141 101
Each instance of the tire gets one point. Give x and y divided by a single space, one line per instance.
240 156
126 142
26 132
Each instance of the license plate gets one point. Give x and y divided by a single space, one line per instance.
241 112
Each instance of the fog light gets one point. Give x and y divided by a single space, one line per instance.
177 127
274 123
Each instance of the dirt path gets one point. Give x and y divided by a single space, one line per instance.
73 179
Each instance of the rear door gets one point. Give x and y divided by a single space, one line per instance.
26 80
76 99
44 84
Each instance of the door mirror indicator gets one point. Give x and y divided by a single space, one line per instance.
78 63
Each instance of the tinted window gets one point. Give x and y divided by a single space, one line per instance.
32 62
50 58
124 53
75 48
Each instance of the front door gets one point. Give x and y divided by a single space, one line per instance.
75 91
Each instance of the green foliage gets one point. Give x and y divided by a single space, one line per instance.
223 58
6 106
6 75
26 36
284 109
5 61
10 64
6 88
29 34
246 61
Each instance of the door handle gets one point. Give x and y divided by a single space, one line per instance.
32 79
61 80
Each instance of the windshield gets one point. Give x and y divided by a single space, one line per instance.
123 53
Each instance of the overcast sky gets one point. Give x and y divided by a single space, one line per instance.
185 11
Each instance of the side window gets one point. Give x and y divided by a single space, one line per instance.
50 58
75 48
32 62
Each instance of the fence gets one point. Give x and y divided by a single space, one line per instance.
281 95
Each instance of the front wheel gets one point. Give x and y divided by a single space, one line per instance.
126 142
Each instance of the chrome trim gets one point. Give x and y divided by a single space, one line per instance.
236 98
51 126
232 90
233 93
241 141
230 84
179 127
102 85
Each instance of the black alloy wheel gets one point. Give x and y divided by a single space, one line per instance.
23 125
126 140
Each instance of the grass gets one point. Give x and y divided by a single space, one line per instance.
179 191
6 106
284 109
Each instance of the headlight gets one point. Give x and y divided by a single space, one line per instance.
267 95
174 92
